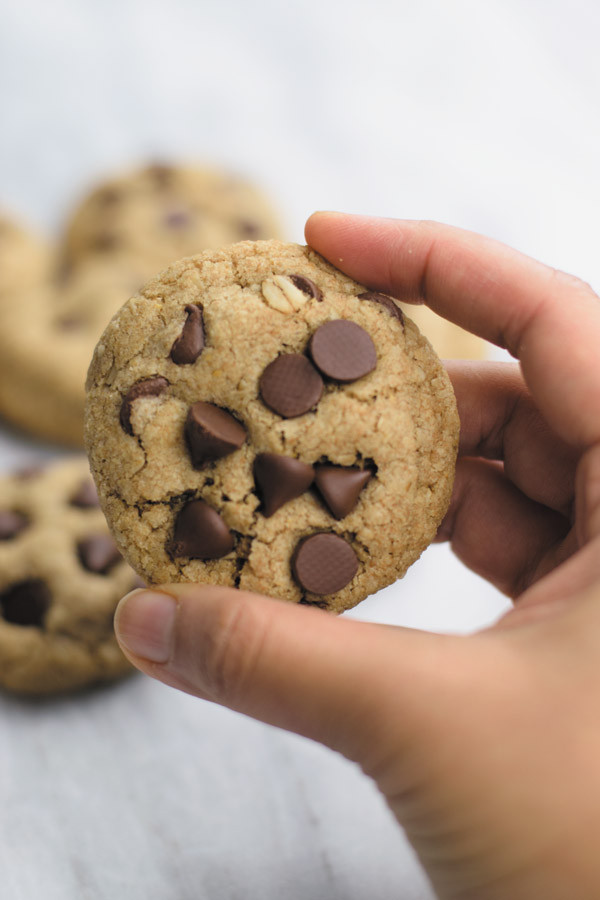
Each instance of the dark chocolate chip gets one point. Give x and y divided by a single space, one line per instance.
307 286
137 583
70 322
340 486
26 602
189 345
98 553
108 196
11 524
201 533
324 563
177 219
149 387
249 229
105 241
342 350
280 479
29 472
86 495
385 301
211 433
161 174
291 385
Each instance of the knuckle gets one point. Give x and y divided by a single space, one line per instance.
233 649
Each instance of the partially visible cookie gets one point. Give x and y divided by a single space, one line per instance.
447 339
160 213
46 341
25 259
257 419
61 577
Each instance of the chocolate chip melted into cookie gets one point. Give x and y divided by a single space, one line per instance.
86 495
98 553
148 387
26 602
177 219
12 523
307 286
385 301
249 230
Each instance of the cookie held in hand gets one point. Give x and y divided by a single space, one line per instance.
304 447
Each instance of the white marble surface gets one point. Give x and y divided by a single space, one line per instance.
480 114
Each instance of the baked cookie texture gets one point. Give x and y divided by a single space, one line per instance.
255 418
159 213
61 577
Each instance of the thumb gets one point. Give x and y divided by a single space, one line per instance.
363 689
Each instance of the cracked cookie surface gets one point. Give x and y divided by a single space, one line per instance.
61 577
295 436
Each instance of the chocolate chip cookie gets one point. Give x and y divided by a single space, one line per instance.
47 337
255 418
61 577
160 213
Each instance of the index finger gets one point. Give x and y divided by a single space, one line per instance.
548 320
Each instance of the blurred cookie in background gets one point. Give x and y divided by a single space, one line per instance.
61 577
447 339
47 336
25 259
160 213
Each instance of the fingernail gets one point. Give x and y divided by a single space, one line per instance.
144 623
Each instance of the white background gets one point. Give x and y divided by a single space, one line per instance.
483 114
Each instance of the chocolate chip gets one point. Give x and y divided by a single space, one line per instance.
137 583
340 486
291 385
108 196
307 286
385 301
324 563
70 322
211 433
189 345
161 174
11 524
86 495
249 229
177 219
105 241
98 553
26 602
280 479
201 533
148 387
342 350
27 473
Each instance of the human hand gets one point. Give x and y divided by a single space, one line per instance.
486 747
